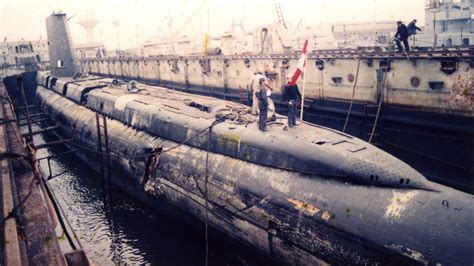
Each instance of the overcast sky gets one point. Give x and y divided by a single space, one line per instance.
141 19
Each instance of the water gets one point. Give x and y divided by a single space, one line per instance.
129 232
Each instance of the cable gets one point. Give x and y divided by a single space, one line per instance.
379 107
206 195
353 93
206 180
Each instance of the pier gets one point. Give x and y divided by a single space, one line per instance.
32 220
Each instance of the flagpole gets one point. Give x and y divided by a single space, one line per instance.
302 95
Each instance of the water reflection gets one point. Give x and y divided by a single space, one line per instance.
129 232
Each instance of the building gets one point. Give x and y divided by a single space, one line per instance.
448 23
357 34
235 41
90 50
21 53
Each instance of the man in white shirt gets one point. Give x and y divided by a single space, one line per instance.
253 85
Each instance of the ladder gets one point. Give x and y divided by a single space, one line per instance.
375 138
103 150
242 95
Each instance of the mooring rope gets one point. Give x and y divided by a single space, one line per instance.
353 94
206 195
385 78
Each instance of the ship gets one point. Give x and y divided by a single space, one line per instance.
422 113
309 195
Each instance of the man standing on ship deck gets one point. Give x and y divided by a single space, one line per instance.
253 86
412 28
262 104
402 36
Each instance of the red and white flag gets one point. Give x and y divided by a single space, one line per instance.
301 64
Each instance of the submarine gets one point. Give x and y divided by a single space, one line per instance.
305 196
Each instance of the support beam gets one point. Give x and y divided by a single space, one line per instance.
35 121
31 116
52 143
40 131
23 108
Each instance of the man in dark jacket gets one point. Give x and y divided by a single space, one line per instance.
402 36
262 104
412 28
291 94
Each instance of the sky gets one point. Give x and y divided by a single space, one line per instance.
140 19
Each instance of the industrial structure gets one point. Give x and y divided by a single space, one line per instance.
91 48
448 23
21 53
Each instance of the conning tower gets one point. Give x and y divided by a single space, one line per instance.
61 50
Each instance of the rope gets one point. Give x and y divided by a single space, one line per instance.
379 107
206 196
206 180
353 93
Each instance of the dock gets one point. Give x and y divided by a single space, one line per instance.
29 216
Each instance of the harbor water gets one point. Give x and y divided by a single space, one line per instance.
126 231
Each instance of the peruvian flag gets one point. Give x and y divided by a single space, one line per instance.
301 64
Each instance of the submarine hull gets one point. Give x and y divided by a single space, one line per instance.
292 217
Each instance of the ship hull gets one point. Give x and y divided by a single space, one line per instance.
287 215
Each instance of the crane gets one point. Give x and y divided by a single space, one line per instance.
281 19
185 24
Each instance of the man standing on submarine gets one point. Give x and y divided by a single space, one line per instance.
291 95
253 87
262 104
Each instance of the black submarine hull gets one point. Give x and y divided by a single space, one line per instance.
287 215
